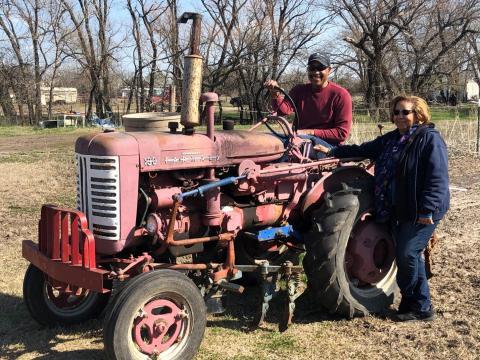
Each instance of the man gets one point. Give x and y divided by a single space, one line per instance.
324 108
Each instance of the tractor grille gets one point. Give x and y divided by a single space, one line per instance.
98 194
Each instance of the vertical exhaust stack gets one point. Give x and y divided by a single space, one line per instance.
192 75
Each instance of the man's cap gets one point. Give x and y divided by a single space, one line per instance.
323 59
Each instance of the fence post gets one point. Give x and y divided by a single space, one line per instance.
478 125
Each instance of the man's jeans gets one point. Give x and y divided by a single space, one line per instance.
315 155
411 239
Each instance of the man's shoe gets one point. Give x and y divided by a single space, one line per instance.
416 316
404 307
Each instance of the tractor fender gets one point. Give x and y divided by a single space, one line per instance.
331 182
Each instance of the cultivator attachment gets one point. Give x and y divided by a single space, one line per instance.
272 279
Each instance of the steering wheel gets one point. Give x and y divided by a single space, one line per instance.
263 102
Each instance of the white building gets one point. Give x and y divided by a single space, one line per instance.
60 95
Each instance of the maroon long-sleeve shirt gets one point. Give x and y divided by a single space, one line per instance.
328 110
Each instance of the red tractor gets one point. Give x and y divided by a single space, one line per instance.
179 217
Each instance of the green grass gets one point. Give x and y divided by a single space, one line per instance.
22 210
460 113
276 341
15 130
32 157
67 200
22 157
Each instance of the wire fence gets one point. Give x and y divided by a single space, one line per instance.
459 125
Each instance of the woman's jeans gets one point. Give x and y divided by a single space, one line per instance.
411 239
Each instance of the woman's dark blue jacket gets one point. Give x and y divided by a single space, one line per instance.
421 180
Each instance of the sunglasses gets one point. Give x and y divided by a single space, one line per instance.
403 112
313 68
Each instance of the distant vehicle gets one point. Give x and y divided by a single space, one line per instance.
158 100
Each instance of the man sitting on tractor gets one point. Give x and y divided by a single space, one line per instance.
324 108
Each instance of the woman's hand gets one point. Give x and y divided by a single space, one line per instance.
321 148
306 132
425 220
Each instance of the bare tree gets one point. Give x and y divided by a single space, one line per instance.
224 42
435 35
94 50
58 36
403 45
137 36
22 89
29 12
5 80
294 24
373 27
150 16
170 32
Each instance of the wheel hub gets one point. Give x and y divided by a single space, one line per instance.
157 327
370 252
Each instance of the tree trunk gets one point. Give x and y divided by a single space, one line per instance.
38 77
6 102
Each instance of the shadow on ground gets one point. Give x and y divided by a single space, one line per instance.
20 334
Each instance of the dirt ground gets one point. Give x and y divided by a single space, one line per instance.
36 170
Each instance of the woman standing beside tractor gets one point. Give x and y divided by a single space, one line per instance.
411 194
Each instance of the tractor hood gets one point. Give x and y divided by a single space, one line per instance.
167 151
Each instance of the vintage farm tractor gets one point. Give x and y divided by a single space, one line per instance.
170 221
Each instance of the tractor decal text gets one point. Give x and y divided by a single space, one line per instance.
150 161
191 157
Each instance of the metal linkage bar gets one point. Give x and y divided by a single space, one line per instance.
203 188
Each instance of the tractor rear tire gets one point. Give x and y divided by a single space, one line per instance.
334 225
51 308
159 314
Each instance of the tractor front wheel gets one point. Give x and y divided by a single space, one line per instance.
160 314
350 259
51 306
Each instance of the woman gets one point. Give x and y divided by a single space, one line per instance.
411 193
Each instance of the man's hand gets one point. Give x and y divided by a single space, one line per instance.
425 220
306 132
321 148
270 85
